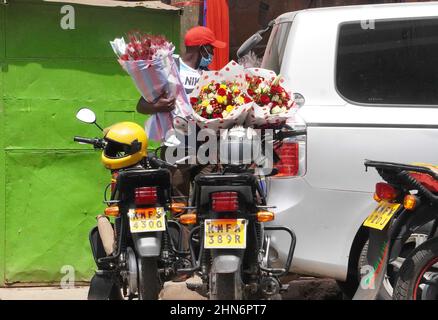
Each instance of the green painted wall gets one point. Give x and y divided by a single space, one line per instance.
51 188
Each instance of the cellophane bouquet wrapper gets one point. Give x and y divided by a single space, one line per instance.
232 72
260 115
153 78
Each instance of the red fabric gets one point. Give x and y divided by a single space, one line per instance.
218 20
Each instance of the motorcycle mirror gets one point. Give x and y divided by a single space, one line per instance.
252 41
88 116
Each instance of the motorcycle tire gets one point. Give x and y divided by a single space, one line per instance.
414 267
149 284
225 286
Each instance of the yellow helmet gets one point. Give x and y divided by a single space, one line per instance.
127 144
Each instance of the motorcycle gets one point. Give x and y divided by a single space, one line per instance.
142 249
230 240
407 202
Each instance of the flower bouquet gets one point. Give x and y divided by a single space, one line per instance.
149 60
273 102
220 101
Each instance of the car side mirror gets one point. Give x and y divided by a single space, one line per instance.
252 41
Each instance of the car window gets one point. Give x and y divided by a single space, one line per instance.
275 49
388 61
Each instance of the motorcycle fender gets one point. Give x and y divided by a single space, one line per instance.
226 264
372 275
147 244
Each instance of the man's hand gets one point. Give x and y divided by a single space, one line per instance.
163 104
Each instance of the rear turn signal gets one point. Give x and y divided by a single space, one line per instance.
112 211
265 216
177 207
410 202
188 218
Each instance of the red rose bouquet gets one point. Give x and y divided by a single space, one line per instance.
149 60
273 101
219 100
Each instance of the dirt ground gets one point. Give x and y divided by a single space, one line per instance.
299 289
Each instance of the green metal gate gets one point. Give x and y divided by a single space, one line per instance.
51 189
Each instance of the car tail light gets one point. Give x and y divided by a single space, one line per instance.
385 191
146 195
225 201
292 152
289 159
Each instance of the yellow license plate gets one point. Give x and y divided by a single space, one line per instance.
225 234
381 215
147 219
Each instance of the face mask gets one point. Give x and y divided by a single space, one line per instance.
205 61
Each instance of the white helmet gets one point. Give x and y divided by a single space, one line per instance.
239 145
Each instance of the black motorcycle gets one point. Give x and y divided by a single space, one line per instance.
230 242
407 202
146 242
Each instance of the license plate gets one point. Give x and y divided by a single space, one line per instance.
147 219
225 234
381 215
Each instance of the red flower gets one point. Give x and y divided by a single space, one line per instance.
221 92
247 99
193 101
217 85
250 92
264 99
276 89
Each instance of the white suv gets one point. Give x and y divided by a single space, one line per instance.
369 78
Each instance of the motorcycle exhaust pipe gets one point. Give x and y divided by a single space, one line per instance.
106 233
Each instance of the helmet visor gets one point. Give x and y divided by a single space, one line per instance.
117 150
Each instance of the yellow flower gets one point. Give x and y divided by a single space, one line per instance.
221 99
205 103
223 86
204 88
229 108
240 100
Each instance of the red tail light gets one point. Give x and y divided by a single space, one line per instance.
146 195
385 191
225 201
289 163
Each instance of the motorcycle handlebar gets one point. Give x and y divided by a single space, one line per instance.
161 163
97 143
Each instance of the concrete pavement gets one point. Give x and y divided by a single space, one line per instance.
299 289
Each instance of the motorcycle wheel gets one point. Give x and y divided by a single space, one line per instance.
149 284
418 276
225 286
349 288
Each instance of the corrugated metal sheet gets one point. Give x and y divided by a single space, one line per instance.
109 3
51 188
